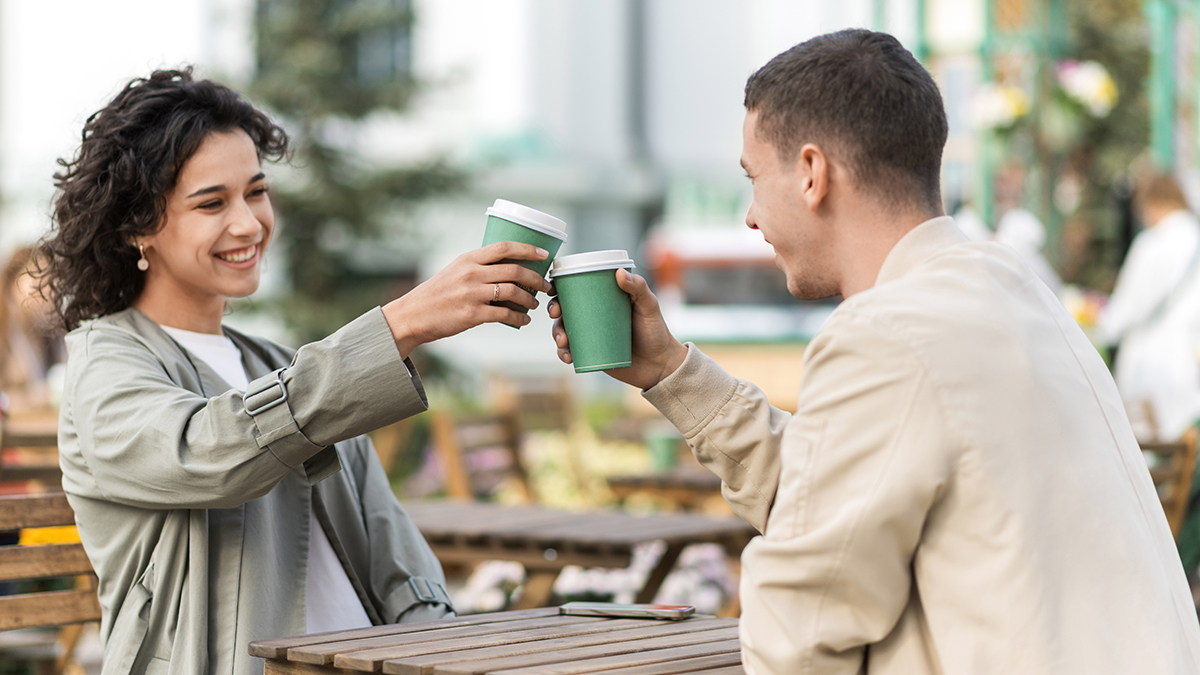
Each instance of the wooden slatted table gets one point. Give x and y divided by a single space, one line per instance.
528 642
546 540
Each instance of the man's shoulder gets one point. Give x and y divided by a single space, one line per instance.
960 299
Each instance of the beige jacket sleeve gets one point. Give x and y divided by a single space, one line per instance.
841 491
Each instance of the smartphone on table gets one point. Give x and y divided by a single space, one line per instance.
613 609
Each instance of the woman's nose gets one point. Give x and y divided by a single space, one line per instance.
243 221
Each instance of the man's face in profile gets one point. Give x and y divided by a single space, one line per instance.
782 213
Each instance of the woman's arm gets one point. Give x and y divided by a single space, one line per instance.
132 435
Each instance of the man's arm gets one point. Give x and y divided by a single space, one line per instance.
731 429
690 390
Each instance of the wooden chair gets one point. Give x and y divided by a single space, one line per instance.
29 451
1172 467
540 403
68 608
389 441
478 453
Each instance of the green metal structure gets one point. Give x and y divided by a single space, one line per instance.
1162 17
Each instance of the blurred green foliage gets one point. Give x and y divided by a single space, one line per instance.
323 65
1113 33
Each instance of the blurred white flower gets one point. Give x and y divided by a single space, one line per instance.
1089 84
997 106
491 587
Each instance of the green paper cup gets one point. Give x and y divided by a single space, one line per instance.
509 221
663 446
595 311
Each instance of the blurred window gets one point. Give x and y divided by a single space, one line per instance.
743 283
385 53
373 37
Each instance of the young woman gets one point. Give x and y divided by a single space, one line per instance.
221 484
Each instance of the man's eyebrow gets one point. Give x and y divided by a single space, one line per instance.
219 188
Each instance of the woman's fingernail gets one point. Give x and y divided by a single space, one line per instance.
543 252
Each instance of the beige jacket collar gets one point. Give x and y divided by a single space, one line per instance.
920 244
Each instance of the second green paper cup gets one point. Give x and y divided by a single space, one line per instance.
509 221
596 313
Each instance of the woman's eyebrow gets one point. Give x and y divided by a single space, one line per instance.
204 191
219 188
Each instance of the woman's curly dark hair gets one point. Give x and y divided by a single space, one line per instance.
117 187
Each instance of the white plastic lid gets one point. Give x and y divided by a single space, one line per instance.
592 261
531 218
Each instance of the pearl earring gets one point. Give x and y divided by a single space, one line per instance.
142 263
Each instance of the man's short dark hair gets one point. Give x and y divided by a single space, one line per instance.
863 98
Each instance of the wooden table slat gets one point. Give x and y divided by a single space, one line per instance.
325 651
277 648
374 658
640 657
693 665
425 664
727 670
274 667
564 658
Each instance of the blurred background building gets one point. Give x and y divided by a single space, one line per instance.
623 117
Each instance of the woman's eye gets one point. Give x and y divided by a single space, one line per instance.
209 206
258 192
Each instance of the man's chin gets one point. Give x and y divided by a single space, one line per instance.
807 289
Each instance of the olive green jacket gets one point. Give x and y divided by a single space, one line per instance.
193 499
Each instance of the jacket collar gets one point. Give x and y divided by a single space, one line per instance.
134 321
920 244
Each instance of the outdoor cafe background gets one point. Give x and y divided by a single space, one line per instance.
623 117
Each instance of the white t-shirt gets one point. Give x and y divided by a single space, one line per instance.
331 601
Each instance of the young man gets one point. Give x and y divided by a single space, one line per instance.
959 490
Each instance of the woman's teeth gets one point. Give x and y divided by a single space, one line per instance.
238 256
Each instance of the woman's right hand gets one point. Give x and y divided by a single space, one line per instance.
461 295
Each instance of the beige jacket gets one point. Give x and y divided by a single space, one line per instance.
958 492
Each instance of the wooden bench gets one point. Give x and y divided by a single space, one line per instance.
29 450
44 609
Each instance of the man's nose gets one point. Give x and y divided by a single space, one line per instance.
750 221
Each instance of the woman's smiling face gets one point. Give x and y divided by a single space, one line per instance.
217 224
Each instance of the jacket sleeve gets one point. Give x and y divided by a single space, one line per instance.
731 429
148 442
862 463
405 576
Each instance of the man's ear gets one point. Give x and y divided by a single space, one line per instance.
812 170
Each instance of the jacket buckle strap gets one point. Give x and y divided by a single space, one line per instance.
428 594
263 394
